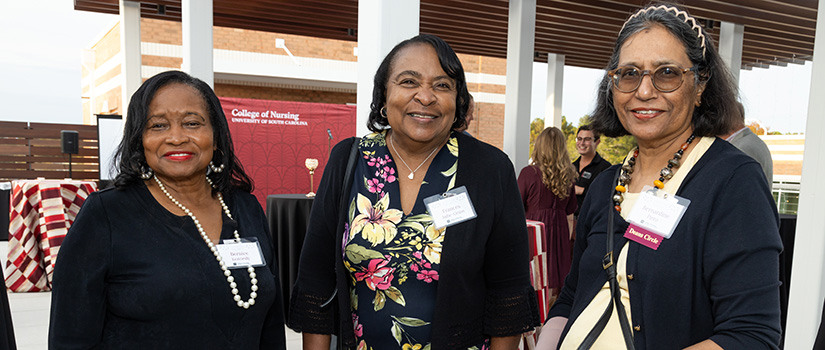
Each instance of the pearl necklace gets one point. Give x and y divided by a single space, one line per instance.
412 172
231 280
665 174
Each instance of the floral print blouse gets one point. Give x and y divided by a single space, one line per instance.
393 258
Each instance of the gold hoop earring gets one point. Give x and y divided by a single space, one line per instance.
383 111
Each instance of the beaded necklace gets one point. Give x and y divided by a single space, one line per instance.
229 279
665 174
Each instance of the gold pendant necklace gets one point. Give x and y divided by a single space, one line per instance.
412 172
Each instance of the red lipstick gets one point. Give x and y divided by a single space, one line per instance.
178 156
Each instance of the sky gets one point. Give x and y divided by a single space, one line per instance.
42 42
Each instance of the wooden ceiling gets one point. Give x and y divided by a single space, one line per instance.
776 32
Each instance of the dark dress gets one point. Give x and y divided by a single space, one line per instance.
132 275
394 258
540 204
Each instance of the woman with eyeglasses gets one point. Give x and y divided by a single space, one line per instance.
679 246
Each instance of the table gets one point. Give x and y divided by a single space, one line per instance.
40 216
538 276
538 266
288 216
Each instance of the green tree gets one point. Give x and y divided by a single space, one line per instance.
612 149
615 149
536 127
566 127
757 128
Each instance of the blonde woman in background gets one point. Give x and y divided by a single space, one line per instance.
546 187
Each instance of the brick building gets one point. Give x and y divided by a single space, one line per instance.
248 64
786 152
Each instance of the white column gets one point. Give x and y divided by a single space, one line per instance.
555 85
381 25
731 36
521 33
89 62
196 20
807 282
130 48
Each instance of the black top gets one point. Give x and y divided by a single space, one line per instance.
587 175
484 285
716 277
132 275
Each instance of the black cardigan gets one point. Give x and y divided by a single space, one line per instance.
484 288
716 278
132 275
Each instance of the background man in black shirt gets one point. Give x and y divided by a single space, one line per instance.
589 164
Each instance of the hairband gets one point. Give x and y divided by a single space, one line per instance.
676 12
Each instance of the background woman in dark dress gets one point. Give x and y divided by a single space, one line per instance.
546 187
139 267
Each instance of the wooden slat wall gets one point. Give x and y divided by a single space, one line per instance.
32 150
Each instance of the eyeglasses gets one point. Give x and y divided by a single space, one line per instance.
665 78
584 139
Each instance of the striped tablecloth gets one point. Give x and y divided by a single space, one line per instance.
538 266
538 276
41 212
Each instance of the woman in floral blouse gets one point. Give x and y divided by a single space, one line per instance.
386 272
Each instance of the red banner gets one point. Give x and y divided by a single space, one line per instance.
273 139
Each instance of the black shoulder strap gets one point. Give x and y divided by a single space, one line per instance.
346 186
610 269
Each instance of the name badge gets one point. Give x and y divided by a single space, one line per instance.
450 208
241 254
587 175
643 237
658 211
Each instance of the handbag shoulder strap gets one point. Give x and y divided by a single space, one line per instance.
610 269
346 186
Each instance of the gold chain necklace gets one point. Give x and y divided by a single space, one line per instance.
412 172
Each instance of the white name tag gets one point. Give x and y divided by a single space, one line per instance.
450 208
658 211
241 254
